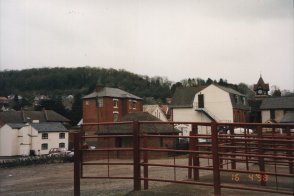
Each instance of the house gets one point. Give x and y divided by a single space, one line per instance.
109 105
156 111
209 103
122 130
31 132
277 109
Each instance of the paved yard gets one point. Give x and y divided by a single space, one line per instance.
57 179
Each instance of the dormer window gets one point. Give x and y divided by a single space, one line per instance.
244 100
115 103
236 98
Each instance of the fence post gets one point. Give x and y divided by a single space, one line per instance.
77 163
260 152
136 156
290 152
196 161
190 160
232 137
215 158
145 160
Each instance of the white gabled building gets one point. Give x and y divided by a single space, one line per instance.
19 135
156 111
209 103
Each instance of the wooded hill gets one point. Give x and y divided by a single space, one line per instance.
57 83
65 81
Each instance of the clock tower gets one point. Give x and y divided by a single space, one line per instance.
261 89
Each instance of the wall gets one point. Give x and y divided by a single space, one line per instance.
266 115
218 102
159 114
94 114
8 141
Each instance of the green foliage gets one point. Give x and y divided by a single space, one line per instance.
82 80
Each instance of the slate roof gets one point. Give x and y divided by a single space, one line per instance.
28 116
111 92
16 125
288 117
138 116
278 103
49 127
184 96
230 90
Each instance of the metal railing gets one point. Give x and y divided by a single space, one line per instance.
258 159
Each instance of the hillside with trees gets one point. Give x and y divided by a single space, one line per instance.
57 83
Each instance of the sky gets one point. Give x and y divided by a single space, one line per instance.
236 40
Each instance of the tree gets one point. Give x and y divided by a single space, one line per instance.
16 103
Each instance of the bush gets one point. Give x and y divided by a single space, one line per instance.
35 160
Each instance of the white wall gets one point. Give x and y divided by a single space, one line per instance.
52 141
266 115
8 141
217 102
159 114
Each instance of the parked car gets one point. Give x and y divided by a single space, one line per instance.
60 151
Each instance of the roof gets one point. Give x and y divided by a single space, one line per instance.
138 116
28 116
16 125
288 117
278 103
184 96
261 83
49 127
229 90
111 92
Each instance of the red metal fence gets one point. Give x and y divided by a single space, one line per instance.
256 157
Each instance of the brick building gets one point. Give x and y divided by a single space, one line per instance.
109 105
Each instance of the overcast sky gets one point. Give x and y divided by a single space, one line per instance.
235 40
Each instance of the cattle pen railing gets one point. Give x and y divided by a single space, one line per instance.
246 156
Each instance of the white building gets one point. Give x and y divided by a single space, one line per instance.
156 111
19 135
207 104
277 109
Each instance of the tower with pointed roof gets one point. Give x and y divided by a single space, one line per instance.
261 89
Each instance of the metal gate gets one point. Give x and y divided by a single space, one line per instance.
246 156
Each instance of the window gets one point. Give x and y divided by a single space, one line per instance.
115 103
115 116
99 102
61 135
61 145
272 114
133 104
200 101
236 98
44 136
244 100
44 146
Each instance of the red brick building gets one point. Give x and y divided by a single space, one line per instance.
121 136
109 105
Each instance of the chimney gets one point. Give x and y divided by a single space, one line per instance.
99 87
